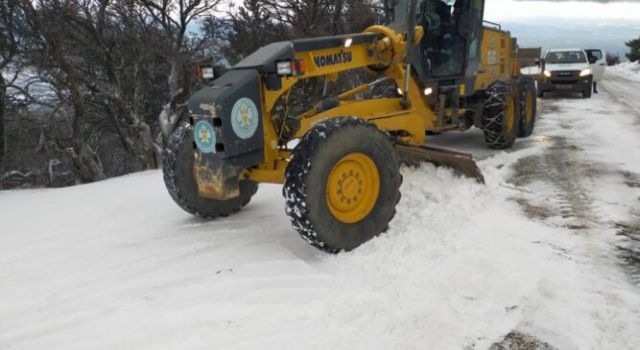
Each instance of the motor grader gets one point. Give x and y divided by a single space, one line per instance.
449 70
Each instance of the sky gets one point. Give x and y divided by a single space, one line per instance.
606 25
506 10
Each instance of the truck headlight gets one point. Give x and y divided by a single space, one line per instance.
585 72
547 74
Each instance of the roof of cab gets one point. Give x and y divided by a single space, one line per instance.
564 50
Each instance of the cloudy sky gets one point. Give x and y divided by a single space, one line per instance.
501 10
584 24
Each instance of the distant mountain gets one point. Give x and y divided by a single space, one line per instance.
609 35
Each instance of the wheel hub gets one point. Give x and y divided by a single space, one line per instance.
352 188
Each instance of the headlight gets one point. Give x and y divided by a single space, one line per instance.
547 74
284 68
585 72
290 68
207 73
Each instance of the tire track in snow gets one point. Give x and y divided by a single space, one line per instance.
568 167
562 183
627 92
624 91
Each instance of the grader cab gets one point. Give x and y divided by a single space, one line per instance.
342 179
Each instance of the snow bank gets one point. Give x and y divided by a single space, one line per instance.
628 70
116 264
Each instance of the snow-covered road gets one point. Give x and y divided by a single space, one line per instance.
548 248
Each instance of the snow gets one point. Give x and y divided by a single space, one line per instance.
627 70
117 264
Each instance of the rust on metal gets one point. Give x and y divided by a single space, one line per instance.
215 180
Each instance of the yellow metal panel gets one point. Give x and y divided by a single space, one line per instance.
495 58
335 60
268 172
409 119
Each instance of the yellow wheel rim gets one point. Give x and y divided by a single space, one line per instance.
510 113
529 108
352 188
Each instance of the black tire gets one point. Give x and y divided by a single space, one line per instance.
586 93
497 132
308 172
178 178
527 89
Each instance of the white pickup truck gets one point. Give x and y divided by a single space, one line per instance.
571 70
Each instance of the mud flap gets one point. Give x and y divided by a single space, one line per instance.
462 163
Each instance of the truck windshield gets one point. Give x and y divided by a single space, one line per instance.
566 57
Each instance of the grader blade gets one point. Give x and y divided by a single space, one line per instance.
461 163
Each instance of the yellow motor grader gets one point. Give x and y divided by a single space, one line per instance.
449 70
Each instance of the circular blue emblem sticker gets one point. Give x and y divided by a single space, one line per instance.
244 118
204 136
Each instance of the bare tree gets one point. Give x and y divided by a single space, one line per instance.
50 51
109 74
248 28
173 18
10 17
119 60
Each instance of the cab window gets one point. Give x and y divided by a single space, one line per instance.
565 57
449 35
595 55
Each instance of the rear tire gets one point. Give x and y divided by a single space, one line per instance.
528 106
337 204
177 168
500 117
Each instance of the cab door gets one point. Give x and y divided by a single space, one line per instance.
597 63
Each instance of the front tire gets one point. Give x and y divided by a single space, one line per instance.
342 184
177 168
500 117
586 93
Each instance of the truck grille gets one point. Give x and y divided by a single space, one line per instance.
565 77
565 74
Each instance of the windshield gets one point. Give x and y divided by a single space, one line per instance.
566 57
